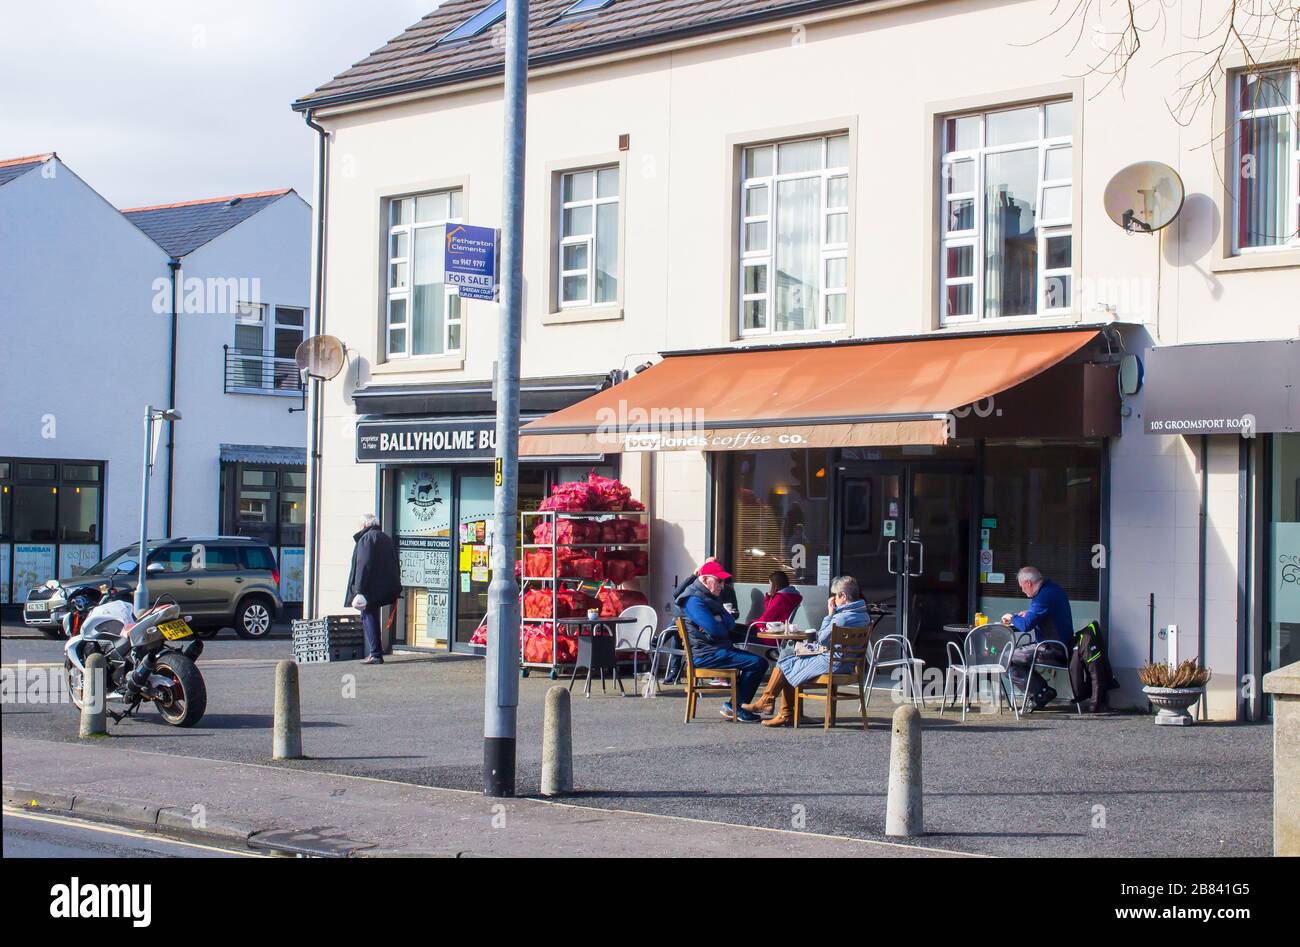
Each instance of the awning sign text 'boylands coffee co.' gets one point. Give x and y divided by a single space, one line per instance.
380 441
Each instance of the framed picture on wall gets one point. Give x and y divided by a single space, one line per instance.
857 507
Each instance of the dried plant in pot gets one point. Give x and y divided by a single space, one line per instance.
1173 690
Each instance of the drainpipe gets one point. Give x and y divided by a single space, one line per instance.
174 264
311 532
1203 540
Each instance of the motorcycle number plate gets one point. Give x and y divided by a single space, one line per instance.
174 630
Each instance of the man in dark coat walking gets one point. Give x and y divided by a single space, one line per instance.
374 582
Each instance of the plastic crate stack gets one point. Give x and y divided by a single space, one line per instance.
334 638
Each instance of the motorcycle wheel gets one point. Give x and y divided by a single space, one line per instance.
189 695
74 679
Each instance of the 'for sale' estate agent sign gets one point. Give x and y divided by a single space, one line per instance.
471 261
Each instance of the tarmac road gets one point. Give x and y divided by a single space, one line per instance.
28 835
1047 785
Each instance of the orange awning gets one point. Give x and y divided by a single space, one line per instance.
859 394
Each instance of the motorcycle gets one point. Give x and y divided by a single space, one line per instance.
144 662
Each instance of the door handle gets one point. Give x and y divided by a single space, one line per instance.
921 559
239 580
189 581
889 557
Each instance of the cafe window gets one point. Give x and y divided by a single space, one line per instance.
1282 601
1042 508
780 514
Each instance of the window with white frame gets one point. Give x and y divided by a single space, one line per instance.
423 312
794 235
265 346
1006 208
1267 153
588 238
246 369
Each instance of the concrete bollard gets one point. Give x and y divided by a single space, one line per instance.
94 712
557 744
903 811
287 732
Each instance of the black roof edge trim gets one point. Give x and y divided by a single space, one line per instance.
585 52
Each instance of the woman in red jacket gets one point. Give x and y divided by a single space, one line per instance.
780 604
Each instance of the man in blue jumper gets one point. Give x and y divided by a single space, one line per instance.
1048 615
709 625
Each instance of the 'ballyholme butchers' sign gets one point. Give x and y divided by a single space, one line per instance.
426 441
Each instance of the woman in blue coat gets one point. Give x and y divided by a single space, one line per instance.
845 609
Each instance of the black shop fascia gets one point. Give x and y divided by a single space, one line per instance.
433 449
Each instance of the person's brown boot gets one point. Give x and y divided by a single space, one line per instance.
765 703
784 717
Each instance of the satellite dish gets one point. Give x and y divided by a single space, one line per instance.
321 356
1144 197
1130 375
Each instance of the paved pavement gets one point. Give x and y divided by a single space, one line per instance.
1049 785
328 813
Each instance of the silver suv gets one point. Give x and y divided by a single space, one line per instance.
218 582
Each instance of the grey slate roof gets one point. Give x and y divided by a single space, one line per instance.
256 454
182 228
17 167
414 60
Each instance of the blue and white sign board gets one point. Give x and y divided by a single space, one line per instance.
471 261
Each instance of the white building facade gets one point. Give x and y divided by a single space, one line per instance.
835 238
90 298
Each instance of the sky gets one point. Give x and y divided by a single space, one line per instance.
152 101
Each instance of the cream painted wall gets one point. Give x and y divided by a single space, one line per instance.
883 75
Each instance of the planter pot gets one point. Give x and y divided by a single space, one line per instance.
1173 703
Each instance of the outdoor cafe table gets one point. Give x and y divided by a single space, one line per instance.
597 649
960 633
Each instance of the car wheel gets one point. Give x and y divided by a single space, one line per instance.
253 620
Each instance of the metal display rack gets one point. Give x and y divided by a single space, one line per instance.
529 520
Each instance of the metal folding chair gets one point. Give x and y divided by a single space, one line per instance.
637 638
657 648
986 650
894 651
1050 649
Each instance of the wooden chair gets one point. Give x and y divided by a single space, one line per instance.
849 646
693 686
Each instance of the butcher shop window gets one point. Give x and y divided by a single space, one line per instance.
588 238
423 312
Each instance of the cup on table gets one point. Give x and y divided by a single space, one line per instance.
981 619
593 614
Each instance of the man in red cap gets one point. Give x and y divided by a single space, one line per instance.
709 624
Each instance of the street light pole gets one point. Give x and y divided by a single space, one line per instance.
142 593
501 693
151 414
